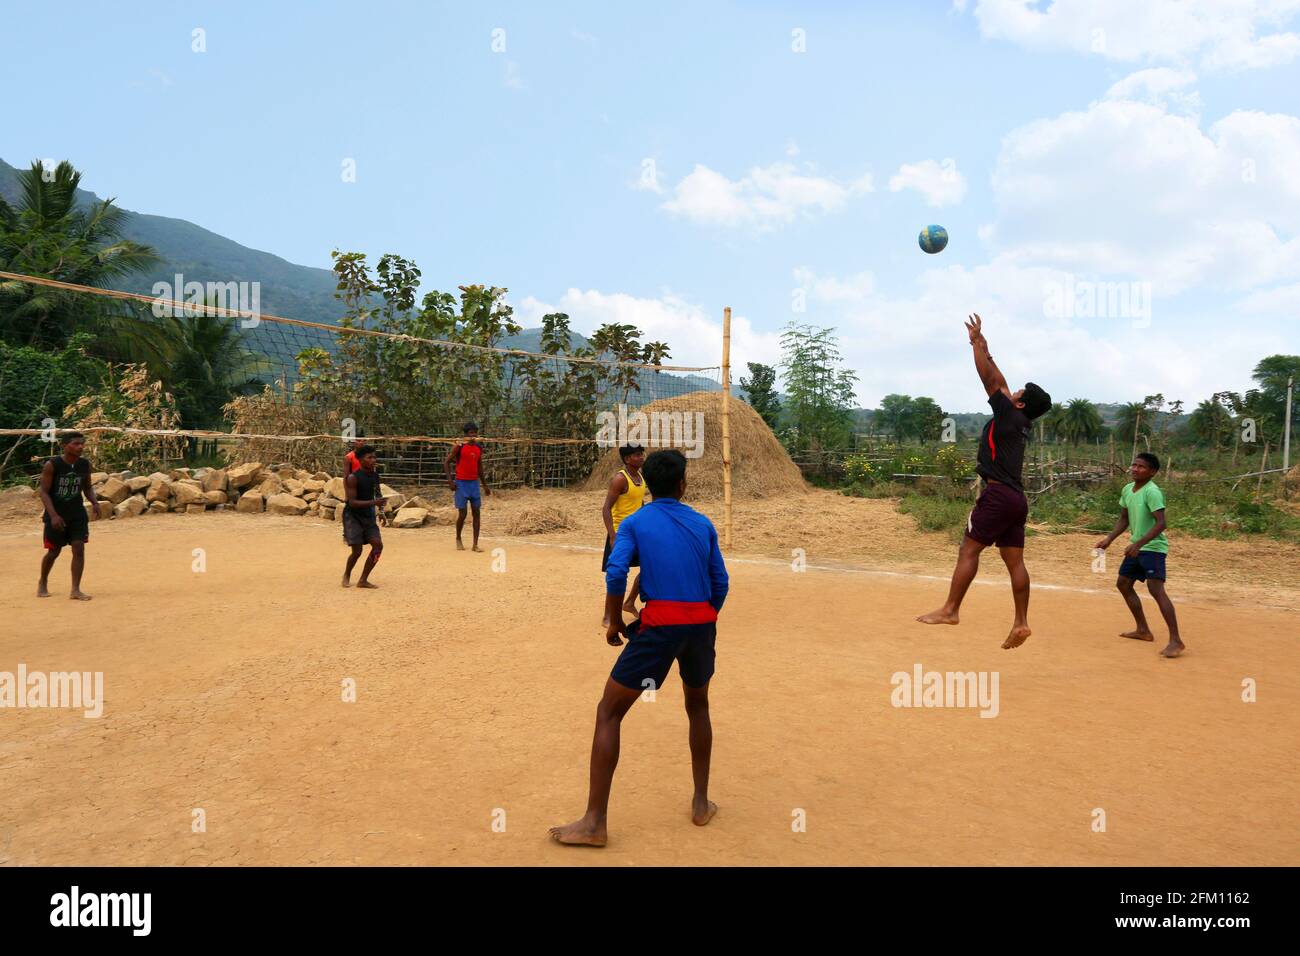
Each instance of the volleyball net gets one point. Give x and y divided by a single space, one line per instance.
547 403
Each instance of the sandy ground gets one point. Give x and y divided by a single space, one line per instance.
476 691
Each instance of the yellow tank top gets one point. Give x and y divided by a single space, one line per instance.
628 501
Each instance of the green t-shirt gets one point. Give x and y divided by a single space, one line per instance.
1142 506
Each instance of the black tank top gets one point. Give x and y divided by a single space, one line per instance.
367 490
66 489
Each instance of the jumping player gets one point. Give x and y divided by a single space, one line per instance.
626 494
64 480
1142 510
1000 512
360 523
685 584
467 457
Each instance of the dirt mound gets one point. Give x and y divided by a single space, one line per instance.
760 467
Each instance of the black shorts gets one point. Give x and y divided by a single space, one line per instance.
999 516
649 654
76 528
358 530
604 560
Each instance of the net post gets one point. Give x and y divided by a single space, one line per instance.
726 427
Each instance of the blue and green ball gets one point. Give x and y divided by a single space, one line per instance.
933 239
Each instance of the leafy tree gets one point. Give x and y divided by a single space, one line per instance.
895 416
760 392
926 418
819 393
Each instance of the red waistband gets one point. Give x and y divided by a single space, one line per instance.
662 613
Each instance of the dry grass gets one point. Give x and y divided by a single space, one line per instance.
539 519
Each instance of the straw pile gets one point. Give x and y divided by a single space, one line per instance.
539 519
760 467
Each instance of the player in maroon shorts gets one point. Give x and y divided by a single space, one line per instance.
999 515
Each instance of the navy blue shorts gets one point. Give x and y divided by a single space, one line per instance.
1148 565
649 655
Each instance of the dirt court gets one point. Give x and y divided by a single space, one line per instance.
476 690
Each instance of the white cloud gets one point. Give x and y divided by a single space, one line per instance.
1159 86
693 332
768 197
915 343
940 183
1223 34
1127 188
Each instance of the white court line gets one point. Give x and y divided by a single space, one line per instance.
873 572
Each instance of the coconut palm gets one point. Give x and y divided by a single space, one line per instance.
207 365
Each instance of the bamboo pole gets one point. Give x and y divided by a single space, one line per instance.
726 427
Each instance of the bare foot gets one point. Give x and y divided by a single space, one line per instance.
702 811
477 548
1139 635
43 591
1173 648
1018 636
367 585
580 833
939 617
460 545
78 596
347 583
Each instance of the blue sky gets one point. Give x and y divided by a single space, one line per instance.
652 164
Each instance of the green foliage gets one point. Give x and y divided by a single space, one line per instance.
1079 421
760 392
905 417
36 385
819 393
49 234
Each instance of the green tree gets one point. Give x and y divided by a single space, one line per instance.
1211 422
895 416
49 234
819 392
1080 421
207 365
926 420
760 392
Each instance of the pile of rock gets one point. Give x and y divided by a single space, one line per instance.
251 488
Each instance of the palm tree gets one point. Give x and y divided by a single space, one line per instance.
1132 420
1052 422
1080 421
207 364
50 234
1210 422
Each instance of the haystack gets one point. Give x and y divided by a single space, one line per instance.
539 519
760 467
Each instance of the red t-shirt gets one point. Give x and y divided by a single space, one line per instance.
353 464
467 461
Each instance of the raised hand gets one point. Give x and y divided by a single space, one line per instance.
974 328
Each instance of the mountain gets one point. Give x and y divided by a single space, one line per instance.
199 254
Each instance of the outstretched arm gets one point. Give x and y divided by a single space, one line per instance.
991 377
